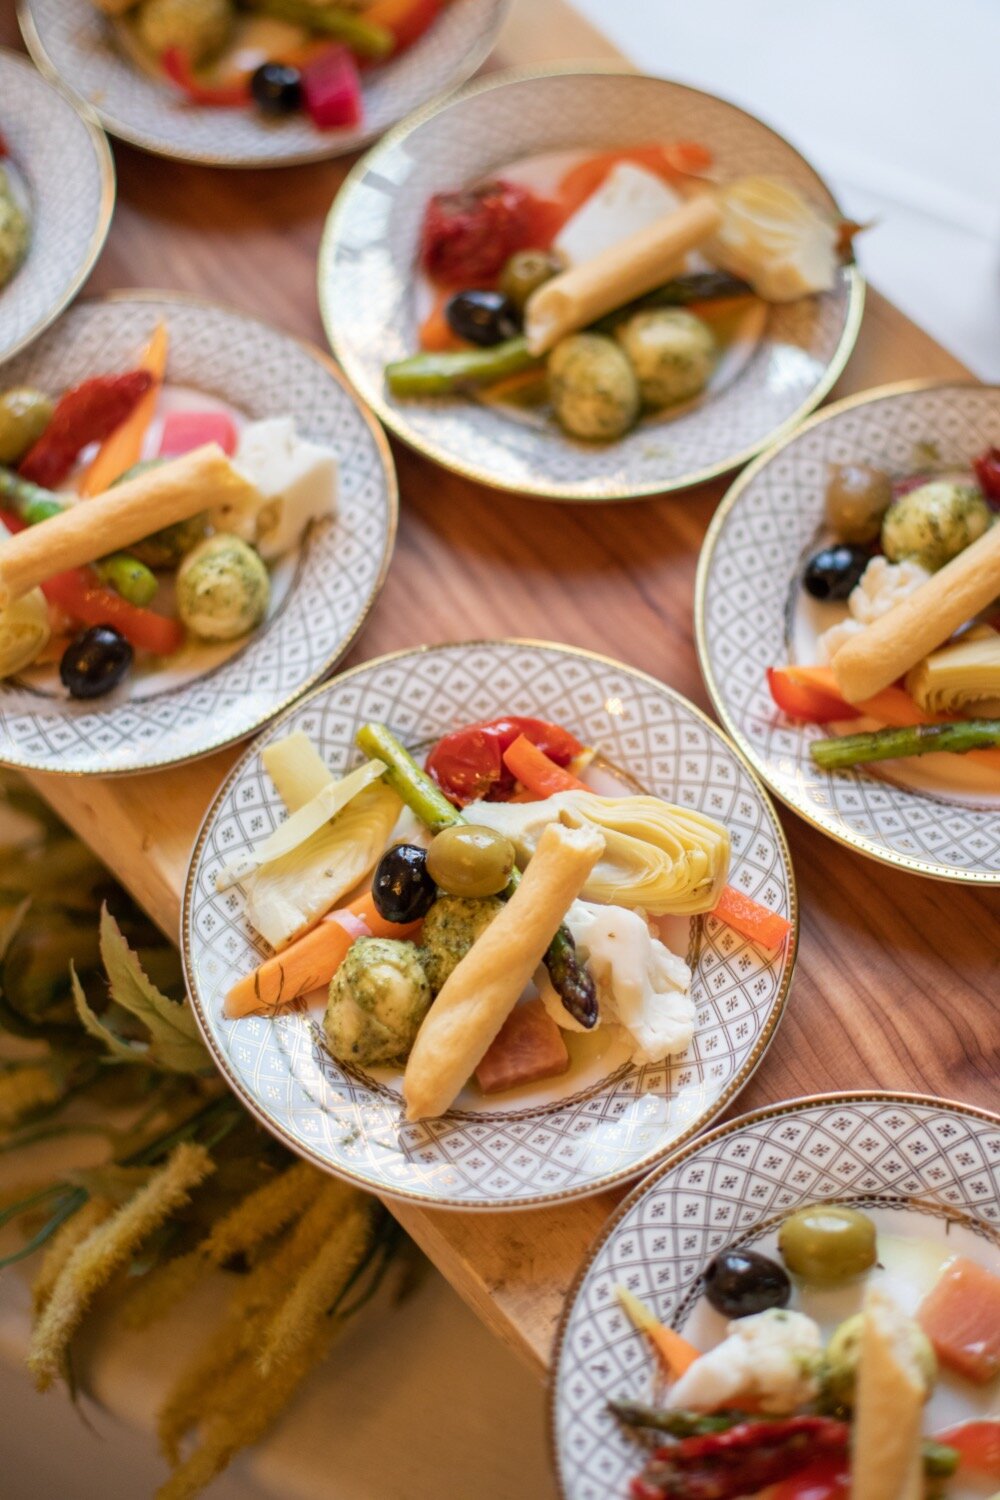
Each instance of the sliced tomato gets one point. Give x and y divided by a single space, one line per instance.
825 1479
978 1443
803 700
468 763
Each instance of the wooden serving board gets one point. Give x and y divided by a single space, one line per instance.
896 977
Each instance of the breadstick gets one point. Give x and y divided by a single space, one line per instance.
925 619
126 513
636 265
486 984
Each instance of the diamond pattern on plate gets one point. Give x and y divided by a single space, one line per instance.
367 284
65 164
262 373
751 558
494 1159
934 1157
71 39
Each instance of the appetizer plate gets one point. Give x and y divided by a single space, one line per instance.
63 168
585 1132
750 614
323 595
368 292
923 1169
72 41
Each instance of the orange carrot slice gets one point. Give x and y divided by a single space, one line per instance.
124 446
674 1351
758 923
537 772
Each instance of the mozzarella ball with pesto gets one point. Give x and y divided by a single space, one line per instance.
223 589
592 387
934 523
377 1000
672 353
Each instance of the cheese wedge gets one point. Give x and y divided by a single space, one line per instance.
578 297
886 1459
629 199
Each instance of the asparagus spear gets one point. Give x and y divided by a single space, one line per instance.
573 983
894 744
126 574
366 38
679 1424
443 374
680 291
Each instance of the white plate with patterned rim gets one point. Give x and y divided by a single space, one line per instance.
72 41
321 594
569 1137
751 614
64 177
924 1168
369 295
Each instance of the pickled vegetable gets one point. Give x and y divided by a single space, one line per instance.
827 1244
377 1000
840 1361
200 28
469 860
857 497
444 374
95 663
525 272
24 415
485 318
223 589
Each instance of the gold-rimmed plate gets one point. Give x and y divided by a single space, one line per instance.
603 1122
369 294
926 1170
62 174
320 594
937 817
72 41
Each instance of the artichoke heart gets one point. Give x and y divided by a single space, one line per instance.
963 675
657 856
287 895
24 632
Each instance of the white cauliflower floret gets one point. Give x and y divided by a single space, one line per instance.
881 586
640 983
769 1360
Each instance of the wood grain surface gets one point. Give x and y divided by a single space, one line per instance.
896 981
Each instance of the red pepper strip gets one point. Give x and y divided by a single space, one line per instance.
86 414
758 923
533 769
803 700
177 66
78 594
979 1445
740 1461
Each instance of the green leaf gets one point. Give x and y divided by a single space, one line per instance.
121 1051
175 1042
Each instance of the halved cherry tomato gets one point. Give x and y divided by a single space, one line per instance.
987 467
230 95
803 700
825 1479
979 1444
468 763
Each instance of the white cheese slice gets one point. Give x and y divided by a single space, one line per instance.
629 199
297 480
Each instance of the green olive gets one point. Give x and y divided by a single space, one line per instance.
24 416
857 497
526 271
467 860
827 1244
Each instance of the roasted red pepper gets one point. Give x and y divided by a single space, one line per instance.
987 469
88 413
978 1444
177 66
468 236
826 1479
740 1461
468 763
801 700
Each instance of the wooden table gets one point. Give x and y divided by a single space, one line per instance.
895 973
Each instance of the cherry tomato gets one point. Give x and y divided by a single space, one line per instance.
468 763
987 467
468 236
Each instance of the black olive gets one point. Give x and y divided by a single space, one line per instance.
402 890
833 572
277 88
741 1282
95 662
484 318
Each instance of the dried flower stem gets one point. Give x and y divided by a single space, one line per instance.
62 1245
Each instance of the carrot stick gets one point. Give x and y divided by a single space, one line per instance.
758 923
123 447
312 961
675 1353
537 772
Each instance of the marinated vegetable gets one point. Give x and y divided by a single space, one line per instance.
468 236
960 738
470 860
484 318
24 631
95 663
742 1282
24 415
223 589
378 998
857 497
827 1244
934 523
833 572
86 414
672 353
964 675
403 888
450 928
444 374
525 272
199 28
593 387
14 230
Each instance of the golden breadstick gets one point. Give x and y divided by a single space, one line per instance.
925 619
636 265
170 492
486 984
886 1462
